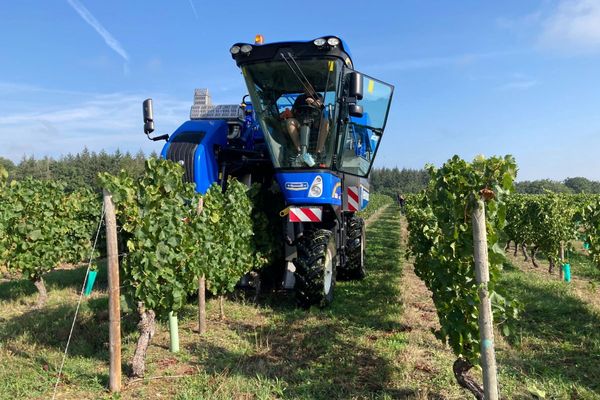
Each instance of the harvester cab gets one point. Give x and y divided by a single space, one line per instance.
313 124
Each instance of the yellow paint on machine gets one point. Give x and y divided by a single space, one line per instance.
371 86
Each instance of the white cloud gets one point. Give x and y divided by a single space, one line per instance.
574 26
94 23
9 88
193 8
517 24
100 121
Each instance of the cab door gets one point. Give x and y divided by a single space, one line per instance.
360 134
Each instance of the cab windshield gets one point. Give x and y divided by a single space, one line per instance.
361 135
296 104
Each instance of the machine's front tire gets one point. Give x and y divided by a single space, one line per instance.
315 268
355 250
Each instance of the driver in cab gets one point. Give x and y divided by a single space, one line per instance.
306 111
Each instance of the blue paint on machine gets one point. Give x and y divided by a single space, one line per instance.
320 187
364 197
192 144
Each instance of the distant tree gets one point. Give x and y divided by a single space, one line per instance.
7 164
79 170
582 185
541 185
395 180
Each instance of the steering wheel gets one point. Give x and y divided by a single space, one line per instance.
307 107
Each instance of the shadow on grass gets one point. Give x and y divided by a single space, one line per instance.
57 279
583 266
50 327
374 302
560 331
313 362
15 289
327 354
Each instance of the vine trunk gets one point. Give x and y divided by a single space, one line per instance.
524 251
533 259
42 292
147 327
461 369
550 265
221 306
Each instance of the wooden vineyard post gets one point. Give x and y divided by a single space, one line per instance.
201 290
482 276
562 260
114 295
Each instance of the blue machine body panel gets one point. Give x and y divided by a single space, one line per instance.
211 133
296 187
364 197
251 131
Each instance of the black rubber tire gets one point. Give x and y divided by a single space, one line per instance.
310 287
355 250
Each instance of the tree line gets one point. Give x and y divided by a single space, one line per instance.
77 171
81 170
395 180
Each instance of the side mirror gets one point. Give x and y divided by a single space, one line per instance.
356 85
148 117
354 110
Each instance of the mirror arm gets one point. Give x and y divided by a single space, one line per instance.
157 138
149 121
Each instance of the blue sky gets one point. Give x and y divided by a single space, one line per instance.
471 77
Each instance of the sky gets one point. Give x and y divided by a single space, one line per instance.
471 77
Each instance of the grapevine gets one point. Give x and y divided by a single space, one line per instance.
441 242
43 226
170 243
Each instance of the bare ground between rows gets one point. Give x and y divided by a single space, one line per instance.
427 361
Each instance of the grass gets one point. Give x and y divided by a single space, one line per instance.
583 267
260 351
558 338
374 342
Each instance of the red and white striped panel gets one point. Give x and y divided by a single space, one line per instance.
306 214
353 200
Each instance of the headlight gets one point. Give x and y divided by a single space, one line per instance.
316 189
234 50
246 48
320 42
333 41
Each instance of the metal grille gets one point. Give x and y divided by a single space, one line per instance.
182 150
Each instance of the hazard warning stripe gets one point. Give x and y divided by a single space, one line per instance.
306 214
353 198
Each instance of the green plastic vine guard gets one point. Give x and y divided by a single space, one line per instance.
567 272
173 332
89 284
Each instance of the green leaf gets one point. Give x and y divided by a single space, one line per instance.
34 235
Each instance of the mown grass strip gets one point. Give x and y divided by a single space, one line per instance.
346 351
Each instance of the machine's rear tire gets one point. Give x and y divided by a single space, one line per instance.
355 250
315 268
